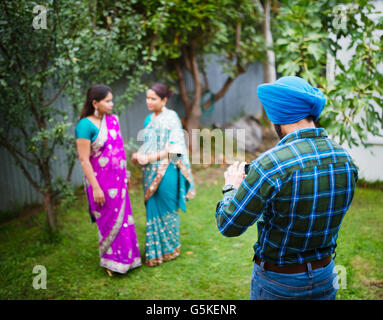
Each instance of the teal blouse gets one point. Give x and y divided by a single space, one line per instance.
86 129
147 119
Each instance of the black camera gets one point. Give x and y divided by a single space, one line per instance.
247 167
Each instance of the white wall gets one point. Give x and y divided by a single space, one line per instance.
368 159
370 164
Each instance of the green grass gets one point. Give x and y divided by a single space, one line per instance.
210 266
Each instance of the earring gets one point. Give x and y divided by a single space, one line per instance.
96 113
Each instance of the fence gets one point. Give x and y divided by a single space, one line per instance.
15 190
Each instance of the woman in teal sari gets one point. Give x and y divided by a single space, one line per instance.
167 177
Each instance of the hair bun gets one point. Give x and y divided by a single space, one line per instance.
161 90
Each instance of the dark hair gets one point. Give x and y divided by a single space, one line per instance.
278 130
161 90
96 92
310 118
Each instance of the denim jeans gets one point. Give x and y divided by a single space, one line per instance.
318 284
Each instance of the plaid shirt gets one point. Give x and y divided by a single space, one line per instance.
299 191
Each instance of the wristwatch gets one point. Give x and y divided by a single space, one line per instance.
227 188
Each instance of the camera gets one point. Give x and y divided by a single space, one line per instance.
247 167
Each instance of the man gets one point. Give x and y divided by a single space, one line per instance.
299 191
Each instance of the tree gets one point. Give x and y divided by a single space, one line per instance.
269 69
183 33
81 45
307 37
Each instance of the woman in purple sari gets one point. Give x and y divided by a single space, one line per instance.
103 160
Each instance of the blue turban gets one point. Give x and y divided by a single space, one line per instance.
290 99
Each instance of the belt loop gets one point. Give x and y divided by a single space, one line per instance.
262 265
309 270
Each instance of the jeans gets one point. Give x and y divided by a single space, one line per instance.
318 284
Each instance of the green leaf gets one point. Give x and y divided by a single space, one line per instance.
316 50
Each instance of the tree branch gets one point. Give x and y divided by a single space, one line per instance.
224 89
5 143
240 68
19 65
221 92
196 77
14 154
156 36
33 108
185 56
151 48
205 79
56 95
238 38
70 170
182 86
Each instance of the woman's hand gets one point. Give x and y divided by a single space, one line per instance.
235 174
98 196
142 159
134 157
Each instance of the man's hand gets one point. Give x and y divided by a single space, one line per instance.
235 174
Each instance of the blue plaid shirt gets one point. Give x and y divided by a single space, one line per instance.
299 192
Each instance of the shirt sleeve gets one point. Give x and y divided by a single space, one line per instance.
241 208
83 130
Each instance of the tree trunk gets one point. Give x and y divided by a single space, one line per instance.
269 71
269 64
193 122
193 109
47 192
51 217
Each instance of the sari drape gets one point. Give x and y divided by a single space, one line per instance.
118 245
167 186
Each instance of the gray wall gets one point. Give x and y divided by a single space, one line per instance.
15 190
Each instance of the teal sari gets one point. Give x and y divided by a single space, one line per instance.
167 186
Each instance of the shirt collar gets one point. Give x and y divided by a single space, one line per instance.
303 134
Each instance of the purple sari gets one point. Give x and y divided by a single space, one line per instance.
118 245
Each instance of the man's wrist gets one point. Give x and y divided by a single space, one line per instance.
227 188
234 184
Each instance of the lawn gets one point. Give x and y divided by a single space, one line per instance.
210 266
